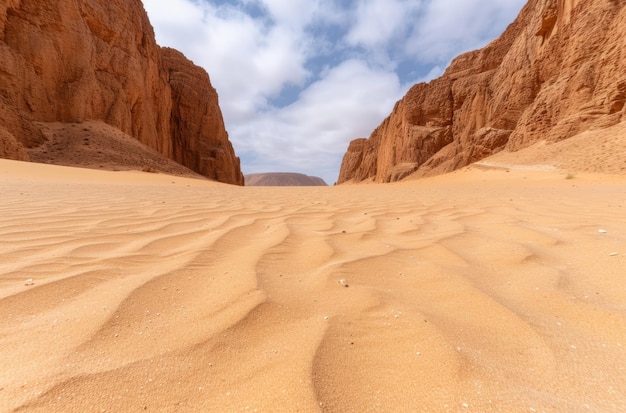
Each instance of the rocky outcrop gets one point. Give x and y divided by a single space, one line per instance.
10 148
558 70
200 141
283 179
96 145
73 60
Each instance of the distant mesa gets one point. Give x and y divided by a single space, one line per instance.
283 179
556 72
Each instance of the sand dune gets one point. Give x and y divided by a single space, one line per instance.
483 290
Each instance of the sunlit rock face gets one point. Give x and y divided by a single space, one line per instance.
559 69
69 60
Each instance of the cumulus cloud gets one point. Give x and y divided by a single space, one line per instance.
446 28
298 79
313 132
249 60
292 13
380 21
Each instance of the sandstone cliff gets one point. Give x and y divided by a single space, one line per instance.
72 60
558 70
200 141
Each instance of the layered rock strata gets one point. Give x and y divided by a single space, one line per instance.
558 70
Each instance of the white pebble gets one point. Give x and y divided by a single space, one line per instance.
29 282
602 231
613 254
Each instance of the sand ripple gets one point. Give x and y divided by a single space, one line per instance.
483 291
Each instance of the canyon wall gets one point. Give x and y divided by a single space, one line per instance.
558 70
73 60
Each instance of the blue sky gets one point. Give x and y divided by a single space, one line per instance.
299 79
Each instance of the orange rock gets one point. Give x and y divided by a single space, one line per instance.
70 60
10 148
556 71
197 127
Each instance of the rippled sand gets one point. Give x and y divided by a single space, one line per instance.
483 290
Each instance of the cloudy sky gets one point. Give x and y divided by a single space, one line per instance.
299 79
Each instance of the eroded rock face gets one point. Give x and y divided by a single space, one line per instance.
558 70
200 141
73 60
10 148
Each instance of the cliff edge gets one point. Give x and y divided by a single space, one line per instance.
558 70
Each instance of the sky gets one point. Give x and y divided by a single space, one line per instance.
299 79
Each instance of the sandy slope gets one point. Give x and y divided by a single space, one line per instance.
596 151
483 290
94 144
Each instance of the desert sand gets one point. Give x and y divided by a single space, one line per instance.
488 289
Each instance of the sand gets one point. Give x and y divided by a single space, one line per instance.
489 289
595 150
94 144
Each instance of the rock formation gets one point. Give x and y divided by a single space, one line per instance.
96 145
10 148
558 70
72 60
283 179
200 141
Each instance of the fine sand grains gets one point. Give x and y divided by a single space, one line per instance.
483 290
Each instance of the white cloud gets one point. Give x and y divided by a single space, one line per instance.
379 21
449 27
294 13
313 132
248 61
298 79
